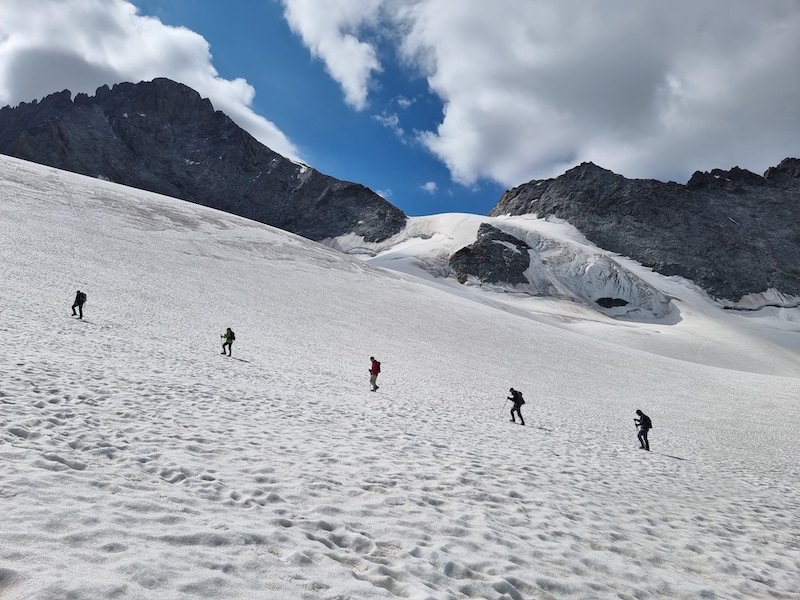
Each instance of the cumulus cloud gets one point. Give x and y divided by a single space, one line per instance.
329 30
531 87
430 187
82 44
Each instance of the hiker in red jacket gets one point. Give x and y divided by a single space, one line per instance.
373 373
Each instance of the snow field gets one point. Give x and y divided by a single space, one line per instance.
137 462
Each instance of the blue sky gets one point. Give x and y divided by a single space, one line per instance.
251 39
441 105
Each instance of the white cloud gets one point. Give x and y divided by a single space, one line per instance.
385 194
531 87
82 44
404 102
329 30
430 187
390 121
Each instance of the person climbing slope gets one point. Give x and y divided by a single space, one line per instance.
80 300
517 399
645 424
228 336
374 370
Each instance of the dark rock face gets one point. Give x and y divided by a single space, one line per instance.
732 232
495 257
163 137
505 255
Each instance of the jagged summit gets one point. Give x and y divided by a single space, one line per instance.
588 169
731 180
162 136
733 232
788 167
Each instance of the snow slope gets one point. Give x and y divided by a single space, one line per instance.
137 462
692 327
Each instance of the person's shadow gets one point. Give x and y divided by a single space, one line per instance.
669 455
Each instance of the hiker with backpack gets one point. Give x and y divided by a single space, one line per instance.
228 336
80 300
374 369
645 424
518 400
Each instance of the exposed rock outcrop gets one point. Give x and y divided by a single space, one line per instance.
542 266
732 232
495 257
163 137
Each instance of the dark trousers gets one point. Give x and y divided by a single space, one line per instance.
228 344
642 435
519 414
80 310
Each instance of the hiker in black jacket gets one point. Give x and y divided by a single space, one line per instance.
516 398
645 425
80 300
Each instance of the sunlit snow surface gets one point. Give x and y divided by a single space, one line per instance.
137 462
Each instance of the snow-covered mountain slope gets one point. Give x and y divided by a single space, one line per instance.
137 462
664 315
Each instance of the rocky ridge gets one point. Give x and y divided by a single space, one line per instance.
734 233
161 136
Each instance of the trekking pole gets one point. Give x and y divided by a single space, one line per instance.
504 406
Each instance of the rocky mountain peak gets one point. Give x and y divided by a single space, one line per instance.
717 178
163 137
732 232
788 168
587 171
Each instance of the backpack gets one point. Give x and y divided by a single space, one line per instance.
233 336
378 364
83 298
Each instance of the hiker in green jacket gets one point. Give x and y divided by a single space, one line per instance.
228 336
